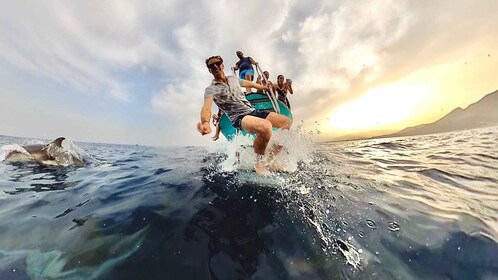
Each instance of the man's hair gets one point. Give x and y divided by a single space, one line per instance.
214 56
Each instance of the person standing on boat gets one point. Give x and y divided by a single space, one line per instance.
246 71
283 88
266 82
226 93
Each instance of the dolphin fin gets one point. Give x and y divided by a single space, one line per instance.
58 141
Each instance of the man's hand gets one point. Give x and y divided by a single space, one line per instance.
267 87
204 128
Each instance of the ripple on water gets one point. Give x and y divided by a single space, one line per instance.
393 226
371 224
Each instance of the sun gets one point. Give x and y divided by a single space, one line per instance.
379 108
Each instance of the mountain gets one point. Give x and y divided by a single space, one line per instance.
362 135
479 114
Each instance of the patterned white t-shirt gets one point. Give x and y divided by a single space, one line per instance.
229 98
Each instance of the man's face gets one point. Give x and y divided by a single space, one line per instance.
239 54
267 75
215 66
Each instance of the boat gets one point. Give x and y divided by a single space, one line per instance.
259 101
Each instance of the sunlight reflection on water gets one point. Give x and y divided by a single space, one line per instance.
411 208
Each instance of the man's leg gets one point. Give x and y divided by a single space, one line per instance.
281 122
263 130
248 77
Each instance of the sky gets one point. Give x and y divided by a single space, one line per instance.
133 72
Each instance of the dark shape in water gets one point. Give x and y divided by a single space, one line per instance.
47 154
463 256
79 222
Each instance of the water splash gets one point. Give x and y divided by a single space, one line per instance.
66 155
303 187
7 149
353 257
297 147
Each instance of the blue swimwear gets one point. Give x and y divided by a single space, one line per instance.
242 74
245 66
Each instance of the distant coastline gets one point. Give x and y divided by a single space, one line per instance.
483 113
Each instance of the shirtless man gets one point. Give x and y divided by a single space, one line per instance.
226 93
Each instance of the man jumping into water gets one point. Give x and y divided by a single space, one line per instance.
226 93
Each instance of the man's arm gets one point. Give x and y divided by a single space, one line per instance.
252 61
246 83
203 126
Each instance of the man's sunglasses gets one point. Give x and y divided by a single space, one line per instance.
217 64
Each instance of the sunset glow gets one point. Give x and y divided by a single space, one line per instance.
379 108
136 73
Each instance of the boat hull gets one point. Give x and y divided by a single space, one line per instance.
260 102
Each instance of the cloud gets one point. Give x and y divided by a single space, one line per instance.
340 46
151 55
175 100
52 43
339 51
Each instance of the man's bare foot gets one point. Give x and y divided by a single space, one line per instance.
261 169
277 167
274 152
260 166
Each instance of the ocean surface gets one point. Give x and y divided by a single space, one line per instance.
423 207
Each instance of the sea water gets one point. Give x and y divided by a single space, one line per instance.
422 207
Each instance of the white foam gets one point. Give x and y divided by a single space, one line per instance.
353 257
66 154
7 149
34 142
240 151
297 148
